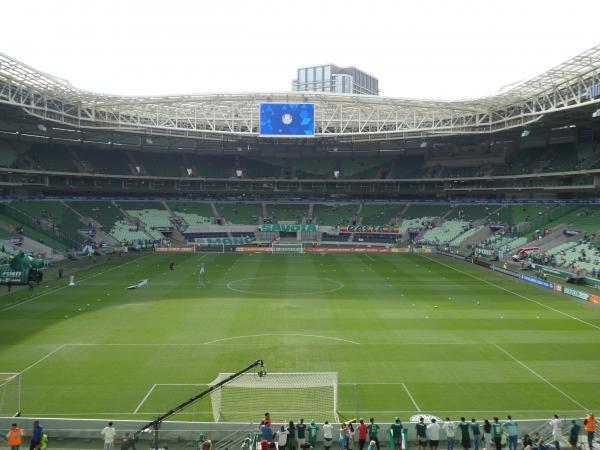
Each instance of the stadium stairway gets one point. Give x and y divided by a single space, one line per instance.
554 239
100 236
81 166
476 238
31 245
215 211
403 212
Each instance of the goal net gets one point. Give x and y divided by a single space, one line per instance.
286 396
287 248
10 394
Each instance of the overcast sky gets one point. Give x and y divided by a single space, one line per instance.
443 49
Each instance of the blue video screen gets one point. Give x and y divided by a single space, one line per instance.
287 119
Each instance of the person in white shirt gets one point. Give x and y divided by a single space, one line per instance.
327 435
109 433
449 428
556 425
282 437
433 433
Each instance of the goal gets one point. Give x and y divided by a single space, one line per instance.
287 248
10 394
286 396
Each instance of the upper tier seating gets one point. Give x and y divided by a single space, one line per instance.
282 212
334 215
240 213
110 161
380 214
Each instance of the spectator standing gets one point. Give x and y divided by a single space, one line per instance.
465 437
589 423
14 437
301 431
476 433
291 429
282 438
350 445
373 429
36 435
510 426
497 433
362 434
421 431
109 433
313 430
487 434
327 435
556 425
574 434
397 430
44 442
266 432
433 432
449 429
343 439
127 442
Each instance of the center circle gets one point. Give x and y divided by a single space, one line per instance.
285 286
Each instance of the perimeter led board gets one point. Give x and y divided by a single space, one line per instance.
287 119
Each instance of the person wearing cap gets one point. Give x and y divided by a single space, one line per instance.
362 434
14 437
396 430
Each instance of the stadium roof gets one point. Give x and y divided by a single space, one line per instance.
572 84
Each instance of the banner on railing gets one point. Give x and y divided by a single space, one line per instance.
243 240
379 229
348 250
276 227
538 281
576 293
174 249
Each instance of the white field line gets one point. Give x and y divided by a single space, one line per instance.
412 399
144 399
556 388
8 308
514 293
281 335
48 415
370 257
31 366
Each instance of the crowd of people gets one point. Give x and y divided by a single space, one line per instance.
487 435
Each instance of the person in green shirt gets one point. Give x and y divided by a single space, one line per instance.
465 437
497 433
396 430
373 430
313 429
44 442
421 429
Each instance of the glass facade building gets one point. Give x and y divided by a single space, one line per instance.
332 78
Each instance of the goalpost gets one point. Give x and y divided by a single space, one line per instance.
10 394
286 396
287 248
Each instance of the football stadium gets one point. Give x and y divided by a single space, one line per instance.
182 265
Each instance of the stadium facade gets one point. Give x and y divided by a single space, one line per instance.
538 139
332 78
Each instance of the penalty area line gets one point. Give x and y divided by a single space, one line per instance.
412 399
556 388
43 358
135 411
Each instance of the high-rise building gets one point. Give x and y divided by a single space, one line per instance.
331 78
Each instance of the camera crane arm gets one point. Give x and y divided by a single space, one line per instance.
155 424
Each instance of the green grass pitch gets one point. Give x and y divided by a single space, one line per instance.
406 333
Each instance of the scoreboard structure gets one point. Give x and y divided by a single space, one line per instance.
287 119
